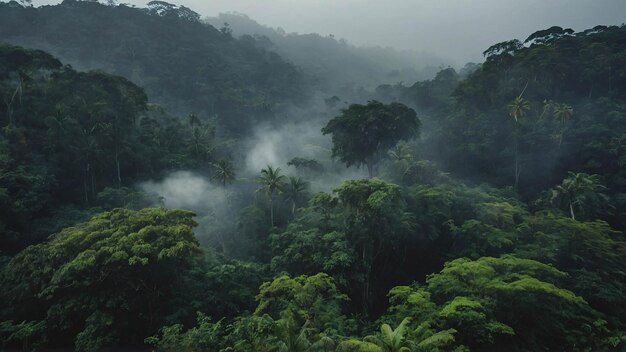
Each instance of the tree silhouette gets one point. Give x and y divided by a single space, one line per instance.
362 134
271 181
579 191
518 108
224 172
295 190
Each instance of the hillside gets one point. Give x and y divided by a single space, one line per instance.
334 65
181 63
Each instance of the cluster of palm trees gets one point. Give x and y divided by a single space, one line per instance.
520 107
580 193
272 182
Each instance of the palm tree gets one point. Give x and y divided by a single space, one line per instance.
224 172
201 137
562 112
292 338
402 158
391 340
578 190
295 190
518 108
401 152
271 181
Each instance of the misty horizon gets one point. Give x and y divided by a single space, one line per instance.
456 31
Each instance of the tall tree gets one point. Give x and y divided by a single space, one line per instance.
375 226
223 172
294 191
580 191
362 134
518 108
271 182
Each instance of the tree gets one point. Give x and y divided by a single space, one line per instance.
362 134
271 181
17 65
549 35
518 108
312 300
375 226
224 172
506 48
294 191
392 340
492 301
106 281
563 112
580 191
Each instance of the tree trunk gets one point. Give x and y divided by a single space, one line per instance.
571 211
117 165
86 188
370 169
271 211
10 103
517 166
366 287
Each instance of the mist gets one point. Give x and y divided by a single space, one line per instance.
457 31
277 145
184 189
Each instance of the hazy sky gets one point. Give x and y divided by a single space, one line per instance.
456 29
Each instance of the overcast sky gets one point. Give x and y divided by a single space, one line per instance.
455 29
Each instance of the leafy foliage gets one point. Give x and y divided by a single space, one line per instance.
105 281
363 133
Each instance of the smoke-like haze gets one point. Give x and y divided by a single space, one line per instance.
275 146
458 30
212 204
183 189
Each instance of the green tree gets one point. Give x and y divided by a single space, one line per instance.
313 299
362 134
107 281
392 340
518 108
563 112
223 172
294 191
580 191
375 226
590 252
17 68
271 182
506 297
